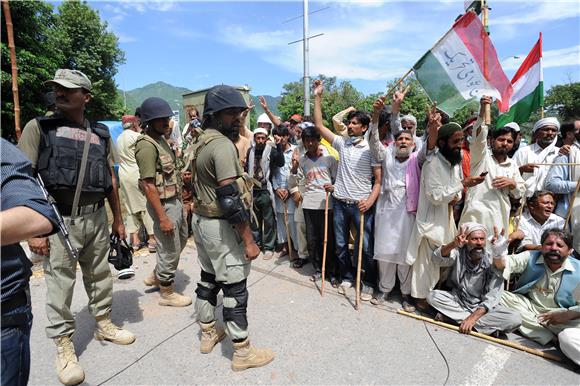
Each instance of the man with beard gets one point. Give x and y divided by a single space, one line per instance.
489 202
544 150
262 157
562 180
221 228
547 295
440 188
396 205
476 285
159 178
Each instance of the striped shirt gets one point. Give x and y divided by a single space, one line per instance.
355 169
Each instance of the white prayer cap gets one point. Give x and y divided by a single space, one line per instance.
550 121
261 130
470 227
409 118
513 125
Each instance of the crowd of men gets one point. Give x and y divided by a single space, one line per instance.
454 215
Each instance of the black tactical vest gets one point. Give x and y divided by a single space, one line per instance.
61 151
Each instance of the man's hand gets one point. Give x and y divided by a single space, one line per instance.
365 205
503 182
471 181
564 150
483 102
263 103
460 239
282 194
39 245
379 104
251 250
467 325
318 87
295 162
527 168
166 226
398 97
555 317
297 198
329 187
118 228
433 125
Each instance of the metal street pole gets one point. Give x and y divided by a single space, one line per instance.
305 57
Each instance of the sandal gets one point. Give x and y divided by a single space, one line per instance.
152 247
299 263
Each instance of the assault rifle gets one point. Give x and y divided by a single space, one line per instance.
63 230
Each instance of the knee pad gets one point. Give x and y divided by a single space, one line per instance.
209 290
237 313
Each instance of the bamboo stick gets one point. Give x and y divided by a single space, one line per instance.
14 67
288 238
557 164
390 91
325 245
486 337
361 233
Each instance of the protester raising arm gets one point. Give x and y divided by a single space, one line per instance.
275 120
338 121
377 148
322 130
398 97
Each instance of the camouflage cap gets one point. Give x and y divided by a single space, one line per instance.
70 79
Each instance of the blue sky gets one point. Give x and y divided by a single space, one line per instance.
198 44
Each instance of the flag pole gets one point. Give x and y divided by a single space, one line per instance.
542 77
14 67
485 22
394 87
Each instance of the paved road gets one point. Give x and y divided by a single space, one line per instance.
317 340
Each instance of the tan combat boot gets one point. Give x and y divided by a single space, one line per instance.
247 356
170 298
211 334
106 330
67 364
151 280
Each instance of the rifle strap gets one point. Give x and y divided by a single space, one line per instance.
81 175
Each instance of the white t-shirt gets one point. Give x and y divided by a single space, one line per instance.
317 173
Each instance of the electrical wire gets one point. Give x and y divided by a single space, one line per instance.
440 352
174 334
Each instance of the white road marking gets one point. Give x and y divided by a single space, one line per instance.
488 368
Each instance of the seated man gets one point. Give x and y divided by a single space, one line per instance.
538 218
547 293
476 286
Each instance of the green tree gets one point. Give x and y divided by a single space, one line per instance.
87 46
37 58
563 100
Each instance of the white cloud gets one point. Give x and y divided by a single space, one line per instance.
538 12
569 56
356 51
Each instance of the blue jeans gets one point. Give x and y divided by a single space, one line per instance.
345 215
16 349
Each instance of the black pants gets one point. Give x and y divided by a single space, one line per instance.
314 219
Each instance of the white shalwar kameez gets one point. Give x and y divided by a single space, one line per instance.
434 225
393 226
485 204
534 154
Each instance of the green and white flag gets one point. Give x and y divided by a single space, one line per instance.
528 86
463 66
